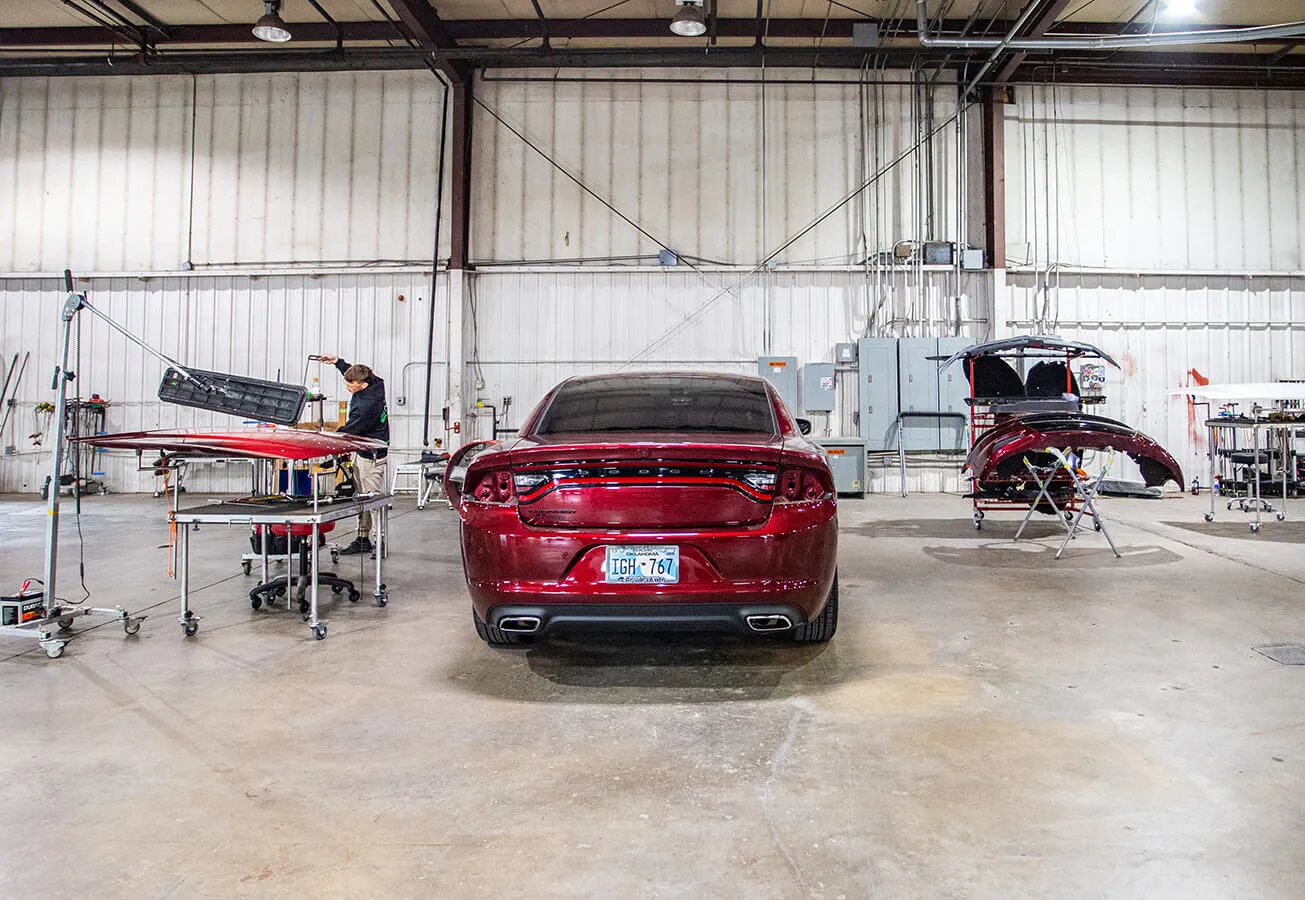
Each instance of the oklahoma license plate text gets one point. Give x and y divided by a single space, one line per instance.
656 564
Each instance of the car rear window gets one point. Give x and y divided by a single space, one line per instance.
659 403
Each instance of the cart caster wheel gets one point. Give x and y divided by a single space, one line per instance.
255 601
978 524
131 626
53 649
245 567
1209 517
335 556
1096 524
1282 516
304 606
157 495
382 599
65 623
190 627
337 588
1069 516
354 596
319 631
280 592
1255 527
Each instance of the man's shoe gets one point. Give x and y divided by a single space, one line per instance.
359 545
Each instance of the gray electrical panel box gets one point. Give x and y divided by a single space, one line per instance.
953 389
846 458
917 384
925 389
781 371
818 387
877 392
845 354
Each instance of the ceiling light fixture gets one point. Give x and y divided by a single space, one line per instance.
271 27
1184 8
689 21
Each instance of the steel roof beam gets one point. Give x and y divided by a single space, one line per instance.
516 29
1142 68
422 20
1039 27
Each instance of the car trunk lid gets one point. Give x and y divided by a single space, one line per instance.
646 480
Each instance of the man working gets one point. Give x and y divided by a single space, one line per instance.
368 417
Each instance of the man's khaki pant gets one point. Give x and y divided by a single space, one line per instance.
369 478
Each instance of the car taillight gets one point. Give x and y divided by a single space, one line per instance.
494 486
797 485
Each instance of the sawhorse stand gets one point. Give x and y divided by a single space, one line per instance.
1085 489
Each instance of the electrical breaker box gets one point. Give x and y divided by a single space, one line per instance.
782 372
877 392
846 458
845 354
953 389
818 387
917 383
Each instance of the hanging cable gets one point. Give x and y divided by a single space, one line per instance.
435 265
849 197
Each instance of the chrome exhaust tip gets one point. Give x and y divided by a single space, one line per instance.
769 623
519 624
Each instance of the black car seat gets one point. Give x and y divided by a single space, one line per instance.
1048 379
993 378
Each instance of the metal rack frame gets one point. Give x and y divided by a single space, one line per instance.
1255 424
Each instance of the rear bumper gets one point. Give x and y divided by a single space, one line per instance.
783 567
748 618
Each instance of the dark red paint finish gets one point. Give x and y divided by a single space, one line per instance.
741 541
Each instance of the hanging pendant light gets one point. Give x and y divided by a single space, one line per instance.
689 21
271 27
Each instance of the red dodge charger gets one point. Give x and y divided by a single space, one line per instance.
680 501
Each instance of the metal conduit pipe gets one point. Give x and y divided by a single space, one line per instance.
1120 42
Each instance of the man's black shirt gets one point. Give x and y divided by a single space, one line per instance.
368 416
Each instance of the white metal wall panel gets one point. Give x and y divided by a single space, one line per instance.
264 327
532 329
718 170
1156 179
1164 331
96 174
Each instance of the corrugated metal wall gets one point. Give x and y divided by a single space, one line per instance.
535 328
1162 330
259 326
1156 179
715 165
143 174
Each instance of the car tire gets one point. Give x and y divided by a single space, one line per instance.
495 637
823 626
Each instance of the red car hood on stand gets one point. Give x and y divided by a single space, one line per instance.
253 443
997 457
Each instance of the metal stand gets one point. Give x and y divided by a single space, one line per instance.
901 444
54 615
1087 495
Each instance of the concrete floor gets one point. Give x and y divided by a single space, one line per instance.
987 723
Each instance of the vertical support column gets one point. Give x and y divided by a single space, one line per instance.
459 241
457 355
994 175
460 176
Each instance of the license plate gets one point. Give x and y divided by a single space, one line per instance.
655 564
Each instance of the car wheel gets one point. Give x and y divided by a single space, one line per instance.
495 637
823 626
